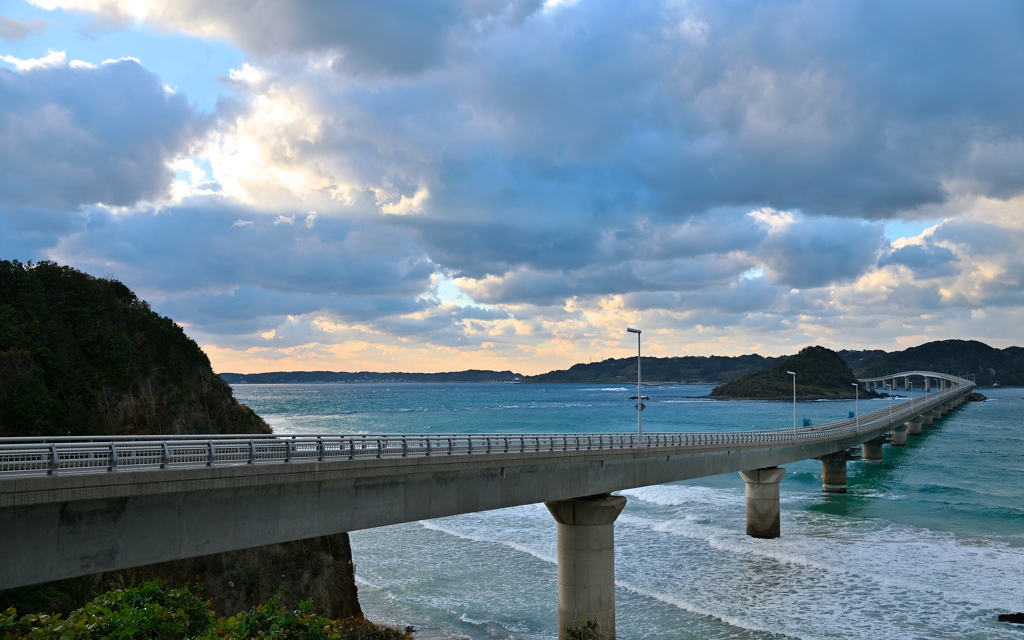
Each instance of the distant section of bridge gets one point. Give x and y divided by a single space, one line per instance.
76 506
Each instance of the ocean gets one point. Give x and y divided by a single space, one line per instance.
928 543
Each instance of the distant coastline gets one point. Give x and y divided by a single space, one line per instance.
988 366
328 377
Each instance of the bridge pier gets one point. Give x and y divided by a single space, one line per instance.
833 473
872 449
586 560
763 511
914 426
899 436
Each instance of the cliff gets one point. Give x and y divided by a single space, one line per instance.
84 356
821 374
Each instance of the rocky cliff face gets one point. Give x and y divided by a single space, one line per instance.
84 356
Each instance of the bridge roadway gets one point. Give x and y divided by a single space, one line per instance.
77 506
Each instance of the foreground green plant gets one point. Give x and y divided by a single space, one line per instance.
583 630
151 611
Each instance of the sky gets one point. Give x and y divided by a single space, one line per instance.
438 185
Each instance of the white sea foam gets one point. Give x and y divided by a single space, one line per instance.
536 553
691 607
677 495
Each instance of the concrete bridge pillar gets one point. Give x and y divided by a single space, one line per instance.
926 418
763 509
927 384
899 436
873 449
833 473
914 426
943 409
586 560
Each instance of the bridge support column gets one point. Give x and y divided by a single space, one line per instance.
586 560
914 426
926 418
873 449
899 436
763 509
833 473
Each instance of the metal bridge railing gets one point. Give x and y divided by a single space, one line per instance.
23 456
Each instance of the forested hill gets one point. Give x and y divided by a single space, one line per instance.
820 374
675 369
84 356
315 377
959 357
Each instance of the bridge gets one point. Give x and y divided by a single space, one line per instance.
75 506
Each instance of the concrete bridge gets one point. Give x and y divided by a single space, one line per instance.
76 506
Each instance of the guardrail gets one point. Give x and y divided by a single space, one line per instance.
26 457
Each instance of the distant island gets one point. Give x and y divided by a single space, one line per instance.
821 374
989 366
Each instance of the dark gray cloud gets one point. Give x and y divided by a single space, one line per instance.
568 127
214 269
927 260
15 30
73 136
368 37
816 252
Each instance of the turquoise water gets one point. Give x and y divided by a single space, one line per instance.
929 543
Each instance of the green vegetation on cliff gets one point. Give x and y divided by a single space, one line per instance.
821 373
153 611
81 355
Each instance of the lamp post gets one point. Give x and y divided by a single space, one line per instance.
639 396
793 373
856 404
889 387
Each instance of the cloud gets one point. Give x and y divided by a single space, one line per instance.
15 30
401 38
927 260
719 172
75 135
816 252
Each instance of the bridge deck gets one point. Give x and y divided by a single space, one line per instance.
77 506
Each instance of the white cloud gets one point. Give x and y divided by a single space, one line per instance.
50 60
407 205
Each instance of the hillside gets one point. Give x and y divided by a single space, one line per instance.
991 366
674 369
821 373
84 356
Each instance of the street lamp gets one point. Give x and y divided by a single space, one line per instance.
856 405
793 373
639 398
889 387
